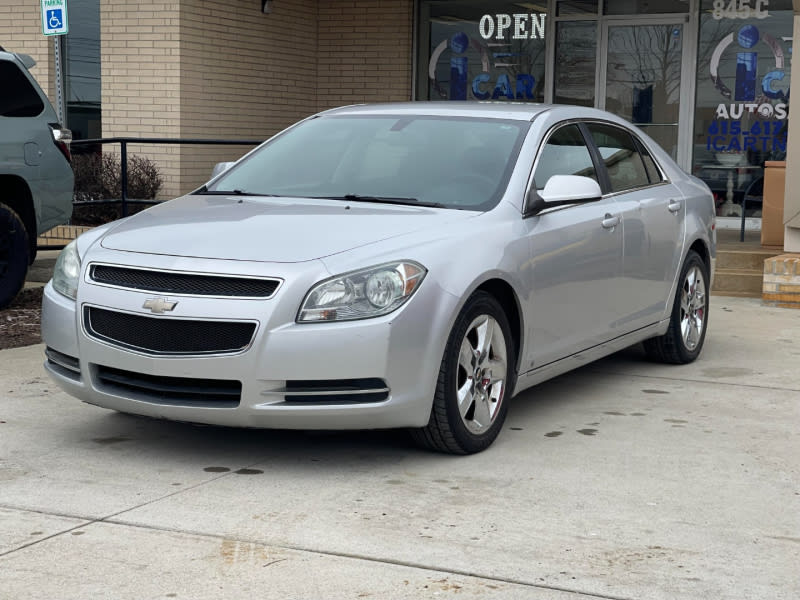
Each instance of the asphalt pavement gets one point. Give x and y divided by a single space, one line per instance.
624 479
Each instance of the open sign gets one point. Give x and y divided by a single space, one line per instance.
520 26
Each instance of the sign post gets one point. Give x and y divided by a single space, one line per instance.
56 23
54 17
59 80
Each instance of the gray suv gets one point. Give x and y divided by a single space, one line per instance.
36 178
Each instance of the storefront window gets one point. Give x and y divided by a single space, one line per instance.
576 62
643 81
743 78
82 69
478 50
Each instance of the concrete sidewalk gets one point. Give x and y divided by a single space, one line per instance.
622 480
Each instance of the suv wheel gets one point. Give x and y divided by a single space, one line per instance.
14 254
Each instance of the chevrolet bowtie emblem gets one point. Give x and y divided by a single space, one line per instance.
159 305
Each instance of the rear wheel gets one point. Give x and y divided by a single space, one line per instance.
475 379
684 338
14 254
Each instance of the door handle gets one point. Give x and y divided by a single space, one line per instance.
610 221
674 206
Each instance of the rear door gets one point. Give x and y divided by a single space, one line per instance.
27 148
653 224
20 103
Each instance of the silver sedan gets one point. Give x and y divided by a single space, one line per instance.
402 265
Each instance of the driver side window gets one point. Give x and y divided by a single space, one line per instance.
564 153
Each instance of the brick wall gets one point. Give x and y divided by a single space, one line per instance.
365 49
221 68
244 75
247 75
21 31
140 73
781 283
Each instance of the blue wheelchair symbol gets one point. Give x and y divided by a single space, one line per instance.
55 19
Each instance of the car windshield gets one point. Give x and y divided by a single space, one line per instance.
459 162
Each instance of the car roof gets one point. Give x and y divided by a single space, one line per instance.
518 111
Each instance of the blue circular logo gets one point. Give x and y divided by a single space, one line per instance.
748 36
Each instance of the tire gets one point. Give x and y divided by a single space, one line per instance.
14 254
482 379
688 322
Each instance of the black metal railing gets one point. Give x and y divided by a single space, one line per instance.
125 141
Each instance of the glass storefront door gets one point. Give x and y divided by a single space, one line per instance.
641 73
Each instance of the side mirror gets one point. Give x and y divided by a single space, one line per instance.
561 190
220 168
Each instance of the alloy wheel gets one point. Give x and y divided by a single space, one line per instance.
693 308
481 374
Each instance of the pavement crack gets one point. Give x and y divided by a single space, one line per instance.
685 380
88 521
373 559
45 538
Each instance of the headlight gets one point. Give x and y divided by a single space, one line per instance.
362 294
67 271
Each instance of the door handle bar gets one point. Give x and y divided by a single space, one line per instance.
610 221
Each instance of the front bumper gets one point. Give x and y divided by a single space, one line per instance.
402 351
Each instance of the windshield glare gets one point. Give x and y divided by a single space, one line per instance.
457 162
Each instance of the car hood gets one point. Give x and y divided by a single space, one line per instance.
269 229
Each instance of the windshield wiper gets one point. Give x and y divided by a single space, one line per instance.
382 200
204 191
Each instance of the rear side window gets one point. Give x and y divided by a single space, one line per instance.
653 174
624 163
565 153
18 98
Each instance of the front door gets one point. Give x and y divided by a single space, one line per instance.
644 71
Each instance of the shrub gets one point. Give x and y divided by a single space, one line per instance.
98 178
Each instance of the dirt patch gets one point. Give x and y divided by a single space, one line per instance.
20 323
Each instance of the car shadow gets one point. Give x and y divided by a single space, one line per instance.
242 447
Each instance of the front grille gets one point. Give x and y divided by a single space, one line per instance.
160 335
333 391
171 391
191 284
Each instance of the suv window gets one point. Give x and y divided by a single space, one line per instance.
18 98
564 153
621 156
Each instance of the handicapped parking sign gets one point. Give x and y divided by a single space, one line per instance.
54 17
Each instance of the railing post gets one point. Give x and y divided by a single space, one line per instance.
124 176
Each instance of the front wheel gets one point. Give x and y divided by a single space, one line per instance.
684 338
475 379
14 254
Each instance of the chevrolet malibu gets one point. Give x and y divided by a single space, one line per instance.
389 266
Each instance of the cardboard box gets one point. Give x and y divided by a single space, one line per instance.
772 207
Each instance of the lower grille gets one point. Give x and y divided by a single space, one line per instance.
333 391
65 365
171 391
159 335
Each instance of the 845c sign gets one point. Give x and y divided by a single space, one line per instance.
740 9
